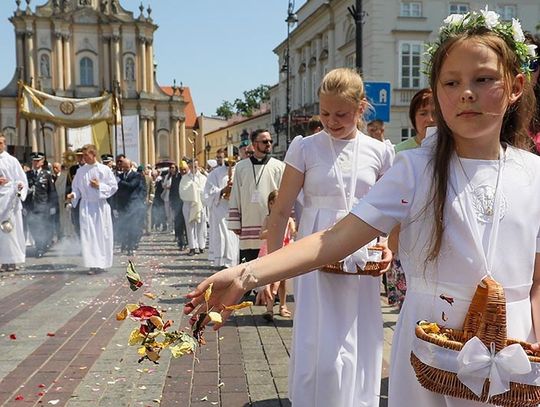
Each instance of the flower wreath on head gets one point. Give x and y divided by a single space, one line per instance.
510 32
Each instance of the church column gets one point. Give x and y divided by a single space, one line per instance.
116 48
142 59
30 74
144 138
150 65
60 141
106 62
151 143
68 80
182 138
59 62
331 47
173 140
20 49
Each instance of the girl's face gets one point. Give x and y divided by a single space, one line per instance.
424 118
339 116
472 92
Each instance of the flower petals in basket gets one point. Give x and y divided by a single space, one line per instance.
478 362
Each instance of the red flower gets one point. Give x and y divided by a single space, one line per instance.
144 312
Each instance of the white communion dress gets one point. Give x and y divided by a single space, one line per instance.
337 336
400 198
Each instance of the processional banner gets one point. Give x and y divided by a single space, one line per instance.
67 112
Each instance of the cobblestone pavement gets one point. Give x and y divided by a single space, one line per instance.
62 345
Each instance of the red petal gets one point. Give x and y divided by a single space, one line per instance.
12 336
145 312
167 324
50 334
144 330
19 397
41 394
41 386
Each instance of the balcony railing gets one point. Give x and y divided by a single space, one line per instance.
402 97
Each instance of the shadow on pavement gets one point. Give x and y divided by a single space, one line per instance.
258 320
51 267
270 403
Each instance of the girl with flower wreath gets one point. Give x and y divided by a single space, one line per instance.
466 200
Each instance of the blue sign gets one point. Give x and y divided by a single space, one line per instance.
378 94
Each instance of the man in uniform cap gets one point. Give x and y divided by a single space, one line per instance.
108 160
40 204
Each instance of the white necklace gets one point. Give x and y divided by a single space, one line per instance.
483 196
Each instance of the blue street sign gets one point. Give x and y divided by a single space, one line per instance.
378 94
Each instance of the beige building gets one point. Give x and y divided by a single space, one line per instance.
394 35
81 48
237 130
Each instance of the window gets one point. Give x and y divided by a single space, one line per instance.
410 55
87 72
507 11
407 133
411 9
350 61
459 8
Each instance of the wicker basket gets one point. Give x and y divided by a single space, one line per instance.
486 319
370 267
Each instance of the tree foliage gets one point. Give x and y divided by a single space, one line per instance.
252 101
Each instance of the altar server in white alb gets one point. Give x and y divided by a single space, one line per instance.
13 189
223 247
92 185
191 192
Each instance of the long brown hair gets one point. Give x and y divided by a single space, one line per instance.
515 124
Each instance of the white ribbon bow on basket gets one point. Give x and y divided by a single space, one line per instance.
477 362
358 258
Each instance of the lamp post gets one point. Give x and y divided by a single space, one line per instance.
358 14
290 20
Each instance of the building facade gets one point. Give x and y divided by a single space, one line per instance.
82 48
394 37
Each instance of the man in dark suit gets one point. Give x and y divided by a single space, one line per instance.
129 203
71 174
40 204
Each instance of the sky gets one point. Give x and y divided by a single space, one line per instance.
219 48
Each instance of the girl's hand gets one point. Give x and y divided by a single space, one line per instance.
385 263
226 290
535 346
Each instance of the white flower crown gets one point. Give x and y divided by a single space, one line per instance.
483 20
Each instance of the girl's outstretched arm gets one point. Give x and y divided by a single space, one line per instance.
324 247
535 300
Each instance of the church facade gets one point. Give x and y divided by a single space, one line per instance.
83 48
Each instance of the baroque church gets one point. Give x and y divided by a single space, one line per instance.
81 49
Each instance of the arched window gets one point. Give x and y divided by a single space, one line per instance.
87 72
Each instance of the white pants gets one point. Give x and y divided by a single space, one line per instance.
195 231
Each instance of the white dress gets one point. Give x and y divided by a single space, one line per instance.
337 335
95 214
400 196
12 244
223 247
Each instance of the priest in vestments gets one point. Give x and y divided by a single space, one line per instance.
13 190
223 243
191 192
92 185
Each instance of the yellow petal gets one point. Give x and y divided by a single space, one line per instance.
135 338
141 351
208 292
215 317
157 321
181 349
132 307
152 296
122 314
235 307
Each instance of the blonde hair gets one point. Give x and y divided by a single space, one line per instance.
345 83
90 148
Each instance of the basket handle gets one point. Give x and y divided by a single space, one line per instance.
486 317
